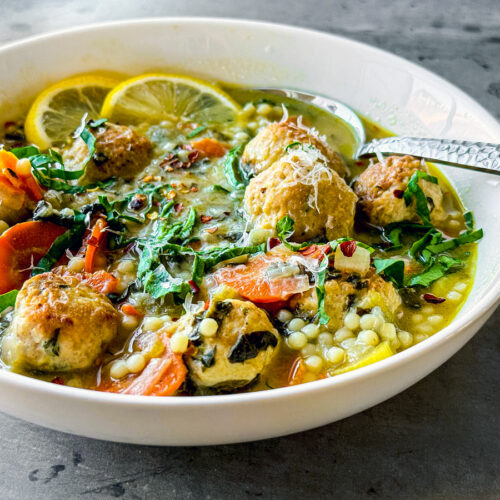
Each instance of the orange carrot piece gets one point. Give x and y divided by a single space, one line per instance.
161 377
22 246
297 372
250 280
101 281
209 147
130 310
95 244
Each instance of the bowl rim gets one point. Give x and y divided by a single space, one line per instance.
485 305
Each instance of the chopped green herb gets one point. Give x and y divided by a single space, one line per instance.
196 131
8 299
392 269
236 176
414 191
249 345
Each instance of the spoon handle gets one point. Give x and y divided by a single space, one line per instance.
480 156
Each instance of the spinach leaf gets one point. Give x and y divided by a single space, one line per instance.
414 191
469 220
392 269
249 345
284 228
8 299
207 357
442 265
464 238
51 345
236 176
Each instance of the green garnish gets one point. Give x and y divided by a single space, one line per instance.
392 269
196 131
236 176
414 191
8 299
323 317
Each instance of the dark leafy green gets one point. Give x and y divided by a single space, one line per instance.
414 191
439 268
392 269
236 176
249 345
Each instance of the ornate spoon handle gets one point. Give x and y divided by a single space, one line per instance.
481 156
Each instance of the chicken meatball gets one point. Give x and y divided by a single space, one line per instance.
119 151
346 292
236 343
380 188
269 145
303 186
59 324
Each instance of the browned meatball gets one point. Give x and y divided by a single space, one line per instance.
381 185
119 151
269 145
243 345
59 324
303 186
341 294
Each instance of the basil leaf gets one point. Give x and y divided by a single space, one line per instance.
413 190
8 299
392 269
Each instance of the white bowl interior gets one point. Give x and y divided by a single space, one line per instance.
399 95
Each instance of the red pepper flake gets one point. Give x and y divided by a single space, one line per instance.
194 286
348 248
360 163
398 193
206 305
205 218
178 207
273 242
212 230
428 297
194 189
58 381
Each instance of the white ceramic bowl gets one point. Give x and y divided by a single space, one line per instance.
394 92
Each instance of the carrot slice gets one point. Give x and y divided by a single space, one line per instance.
161 377
209 147
22 246
101 281
130 310
250 280
95 245
19 176
297 372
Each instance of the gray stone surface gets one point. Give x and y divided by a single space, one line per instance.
439 439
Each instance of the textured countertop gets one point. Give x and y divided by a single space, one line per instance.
438 439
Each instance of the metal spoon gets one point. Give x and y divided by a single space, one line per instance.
479 156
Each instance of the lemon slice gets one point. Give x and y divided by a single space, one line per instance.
155 97
58 110
382 351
